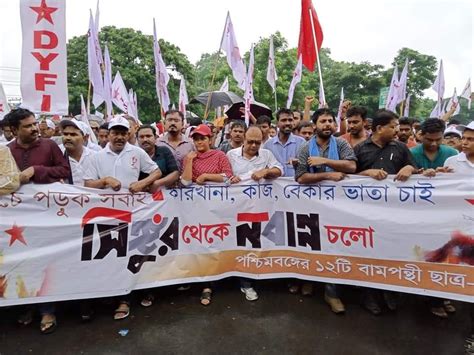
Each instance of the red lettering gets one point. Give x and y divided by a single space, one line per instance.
41 79
253 217
46 103
44 61
38 39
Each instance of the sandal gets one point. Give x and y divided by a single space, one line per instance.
449 307
26 318
48 326
122 312
148 300
439 312
206 297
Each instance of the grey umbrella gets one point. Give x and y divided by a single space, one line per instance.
217 98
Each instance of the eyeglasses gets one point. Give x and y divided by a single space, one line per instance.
250 142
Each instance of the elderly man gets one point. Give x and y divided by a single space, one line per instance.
40 161
119 165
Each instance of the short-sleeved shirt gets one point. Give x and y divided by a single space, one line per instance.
165 161
284 152
460 164
124 166
391 158
244 168
226 146
422 161
343 148
78 168
180 151
211 162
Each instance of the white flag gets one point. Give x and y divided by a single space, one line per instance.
85 119
271 70
453 103
439 86
44 58
120 94
231 48
4 108
322 99
392 97
161 75
96 22
225 85
94 61
248 95
183 97
132 110
296 79
436 113
402 88
108 83
467 93
339 111
84 112
406 109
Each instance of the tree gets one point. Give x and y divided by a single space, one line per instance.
131 53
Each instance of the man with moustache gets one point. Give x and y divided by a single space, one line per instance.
285 145
40 161
325 157
237 132
174 139
355 120
405 132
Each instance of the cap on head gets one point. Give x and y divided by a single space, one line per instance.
469 126
203 130
119 121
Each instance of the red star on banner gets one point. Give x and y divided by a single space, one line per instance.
16 234
44 12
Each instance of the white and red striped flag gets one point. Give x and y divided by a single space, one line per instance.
296 79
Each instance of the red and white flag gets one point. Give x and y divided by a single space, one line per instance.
467 93
132 111
402 83
453 103
248 95
108 83
306 41
4 108
120 94
406 109
44 57
296 79
439 86
231 48
183 97
94 61
271 70
392 96
339 110
161 75
436 113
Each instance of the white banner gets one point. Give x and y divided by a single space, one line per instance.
60 242
44 58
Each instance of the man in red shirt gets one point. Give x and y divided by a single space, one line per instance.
40 161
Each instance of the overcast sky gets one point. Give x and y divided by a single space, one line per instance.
356 31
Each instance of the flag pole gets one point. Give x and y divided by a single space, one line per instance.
317 54
89 97
276 103
401 107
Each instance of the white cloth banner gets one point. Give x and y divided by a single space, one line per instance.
413 237
44 58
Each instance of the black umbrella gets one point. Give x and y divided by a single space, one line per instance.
218 98
256 108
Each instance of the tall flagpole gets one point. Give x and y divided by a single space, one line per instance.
276 103
317 54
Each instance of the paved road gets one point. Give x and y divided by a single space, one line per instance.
278 323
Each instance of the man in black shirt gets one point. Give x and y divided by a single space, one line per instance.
377 157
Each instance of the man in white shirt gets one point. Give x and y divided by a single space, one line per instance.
73 133
119 165
251 162
463 163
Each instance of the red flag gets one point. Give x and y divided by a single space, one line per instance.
306 41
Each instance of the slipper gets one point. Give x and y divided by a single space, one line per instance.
122 312
26 318
47 327
449 307
439 312
147 301
206 297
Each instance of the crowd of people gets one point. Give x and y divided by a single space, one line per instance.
308 148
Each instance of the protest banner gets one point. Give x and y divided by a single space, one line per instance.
62 242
